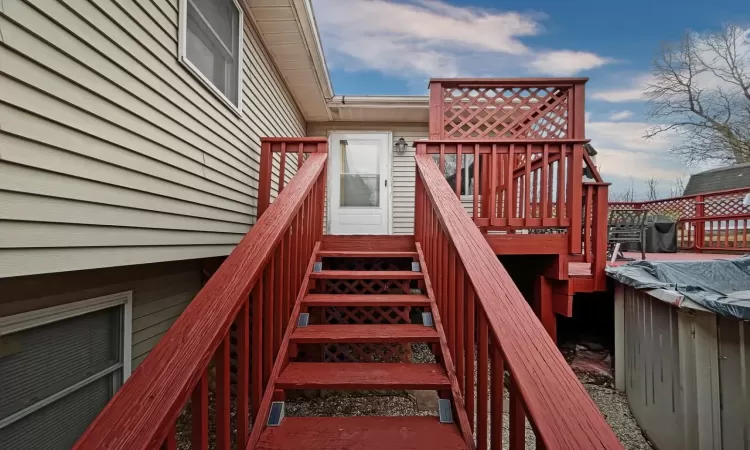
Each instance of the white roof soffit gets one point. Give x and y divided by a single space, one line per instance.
379 108
289 32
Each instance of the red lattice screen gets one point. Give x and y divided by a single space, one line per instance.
506 109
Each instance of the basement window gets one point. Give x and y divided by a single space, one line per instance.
211 46
59 367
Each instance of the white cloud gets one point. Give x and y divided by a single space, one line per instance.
567 62
633 91
621 115
431 38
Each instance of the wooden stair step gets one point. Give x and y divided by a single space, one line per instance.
303 375
364 254
361 433
361 334
367 275
365 300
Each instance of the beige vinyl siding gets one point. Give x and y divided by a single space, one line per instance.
160 293
111 151
402 167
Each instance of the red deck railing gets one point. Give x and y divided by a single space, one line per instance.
252 293
481 306
717 221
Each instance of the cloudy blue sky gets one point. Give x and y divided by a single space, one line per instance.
394 46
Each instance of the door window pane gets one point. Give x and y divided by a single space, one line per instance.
360 177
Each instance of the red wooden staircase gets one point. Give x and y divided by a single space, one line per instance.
359 291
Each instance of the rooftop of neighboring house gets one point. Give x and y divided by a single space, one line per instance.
720 179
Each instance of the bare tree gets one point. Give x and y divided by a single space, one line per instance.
678 187
652 189
626 195
701 90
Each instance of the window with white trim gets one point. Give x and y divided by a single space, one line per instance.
59 367
211 46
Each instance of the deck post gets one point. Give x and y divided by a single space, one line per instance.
543 306
700 227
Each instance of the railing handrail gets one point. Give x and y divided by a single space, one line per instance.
509 82
142 412
685 197
561 411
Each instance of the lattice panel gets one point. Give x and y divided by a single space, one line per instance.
367 315
365 286
505 113
363 264
724 204
367 353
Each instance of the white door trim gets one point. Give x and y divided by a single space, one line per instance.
389 188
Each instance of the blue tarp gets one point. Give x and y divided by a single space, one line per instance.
721 286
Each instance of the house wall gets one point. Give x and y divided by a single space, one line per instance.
160 293
402 165
111 152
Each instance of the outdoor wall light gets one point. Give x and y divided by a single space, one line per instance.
401 145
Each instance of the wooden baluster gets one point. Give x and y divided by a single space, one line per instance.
445 276
458 351
282 167
561 187
243 374
475 195
264 185
258 345
450 319
277 298
744 235
221 361
287 301
482 379
469 351
300 155
510 203
497 388
199 412
543 196
517 424
170 443
493 185
268 321
527 188
587 223
459 157
551 208
441 159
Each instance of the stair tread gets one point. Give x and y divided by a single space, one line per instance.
357 334
302 375
365 254
368 274
362 433
366 300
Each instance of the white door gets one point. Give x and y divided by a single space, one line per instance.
358 183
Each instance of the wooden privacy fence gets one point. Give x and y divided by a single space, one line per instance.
254 290
705 222
481 308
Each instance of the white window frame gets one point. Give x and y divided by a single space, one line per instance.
182 49
34 319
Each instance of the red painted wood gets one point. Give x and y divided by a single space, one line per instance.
450 316
199 411
358 334
367 275
362 376
510 203
364 254
517 423
264 185
362 433
282 167
257 347
575 197
365 300
243 375
261 416
483 395
459 354
497 386
560 201
545 382
368 244
492 213
527 244
268 322
475 211
543 184
459 157
469 351
221 361
464 423
143 411
543 306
